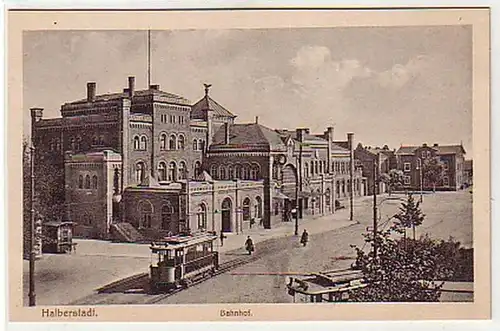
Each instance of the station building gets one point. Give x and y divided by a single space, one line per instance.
141 164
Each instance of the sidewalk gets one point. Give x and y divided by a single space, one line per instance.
313 225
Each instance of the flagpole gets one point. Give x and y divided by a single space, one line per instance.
149 58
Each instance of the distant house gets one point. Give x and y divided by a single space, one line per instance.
410 159
365 158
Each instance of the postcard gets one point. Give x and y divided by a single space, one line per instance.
249 165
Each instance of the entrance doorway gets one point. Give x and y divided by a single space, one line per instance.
226 215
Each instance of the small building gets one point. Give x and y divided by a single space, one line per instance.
468 173
57 237
365 157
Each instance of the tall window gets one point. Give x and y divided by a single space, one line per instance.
72 143
327 197
254 171
197 168
195 145
172 142
144 143
78 144
87 182
58 144
145 214
182 170
407 166
230 172
163 141
316 167
94 182
172 170
137 144
320 167
258 207
201 145
446 181
116 181
180 142
101 140
201 216
246 209
312 168
222 172
245 172
166 216
139 172
406 180
213 171
80 181
95 141
306 169
162 171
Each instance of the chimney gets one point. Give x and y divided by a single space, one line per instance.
350 141
125 90
436 144
330 133
301 134
91 91
424 145
154 87
131 86
256 119
36 114
226 133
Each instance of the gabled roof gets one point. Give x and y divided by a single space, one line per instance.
440 149
206 103
249 135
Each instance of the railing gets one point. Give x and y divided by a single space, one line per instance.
199 263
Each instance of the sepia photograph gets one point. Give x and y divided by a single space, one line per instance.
245 165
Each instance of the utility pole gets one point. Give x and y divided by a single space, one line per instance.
298 181
32 295
375 208
351 186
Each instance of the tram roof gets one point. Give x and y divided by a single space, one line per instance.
180 241
328 282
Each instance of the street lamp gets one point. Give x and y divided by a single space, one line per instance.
419 168
31 294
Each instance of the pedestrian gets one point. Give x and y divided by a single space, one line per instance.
222 237
249 245
304 238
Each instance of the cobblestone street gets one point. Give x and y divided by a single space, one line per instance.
97 263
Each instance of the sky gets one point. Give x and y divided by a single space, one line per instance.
388 85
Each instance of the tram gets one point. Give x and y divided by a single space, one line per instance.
182 259
329 286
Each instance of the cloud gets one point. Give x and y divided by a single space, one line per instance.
400 74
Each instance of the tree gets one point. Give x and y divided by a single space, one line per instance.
393 179
433 171
409 216
402 271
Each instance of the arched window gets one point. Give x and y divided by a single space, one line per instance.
327 197
318 198
246 209
139 172
137 144
230 172
52 145
306 169
72 143
255 171
237 171
145 209
201 216
87 219
222 172
163 141
166 216
116 181
162 171
80 181
195 145
172 142
213 171
246 172
87 182
258 207
95 140
182 170
58 144
144 143
316 167
197 168
312 168
201 145
320 167
94 182
180 142
338 188
172 171
78 144
101 140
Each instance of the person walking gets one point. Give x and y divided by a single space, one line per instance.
222 237
249 245
304 238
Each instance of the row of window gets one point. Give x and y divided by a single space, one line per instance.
173 119
85 182
316 167
407 165
171 172
237 171
407 181
172 142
